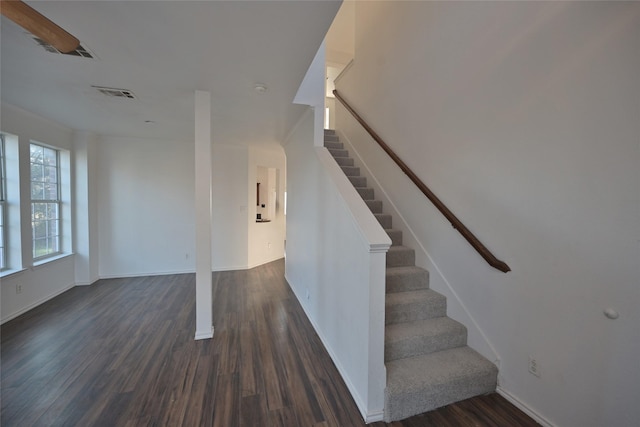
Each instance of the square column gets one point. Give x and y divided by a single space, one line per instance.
203 169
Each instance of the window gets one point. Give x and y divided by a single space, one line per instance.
45 201
3 206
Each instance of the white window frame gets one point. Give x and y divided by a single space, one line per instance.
48 222
3 206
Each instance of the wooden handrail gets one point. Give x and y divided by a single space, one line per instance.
455 222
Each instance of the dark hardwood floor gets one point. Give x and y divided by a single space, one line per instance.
122 353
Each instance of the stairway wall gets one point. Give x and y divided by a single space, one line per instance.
522 117
335 264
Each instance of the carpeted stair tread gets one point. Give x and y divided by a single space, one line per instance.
395 235
329 131
406 278
414 305
330 138
344 161
385 220
423 383
351 170
398 256
410 339
334 145
338 153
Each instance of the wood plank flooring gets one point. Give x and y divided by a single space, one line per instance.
122 353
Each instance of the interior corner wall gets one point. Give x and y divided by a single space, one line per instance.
523 118
43 282
146 206
230 209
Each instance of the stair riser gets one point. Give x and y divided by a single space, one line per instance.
407 282
374 205
401 258
332 138
358 181
405 405
385 220
424 345
365 193
415 311
396 237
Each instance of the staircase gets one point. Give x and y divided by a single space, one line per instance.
428 362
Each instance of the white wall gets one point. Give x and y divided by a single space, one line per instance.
523 118
265 240
230 209
146 206
138 177
42 282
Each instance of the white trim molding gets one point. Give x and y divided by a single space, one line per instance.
524 408
203 335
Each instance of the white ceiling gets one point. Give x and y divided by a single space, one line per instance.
163 51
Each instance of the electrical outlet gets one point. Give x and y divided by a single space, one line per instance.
534 368
18 288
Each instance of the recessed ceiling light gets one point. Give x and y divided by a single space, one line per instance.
260 88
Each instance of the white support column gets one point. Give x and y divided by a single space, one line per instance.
85 208
203 166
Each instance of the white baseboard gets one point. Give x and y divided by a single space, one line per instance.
151 273
263 262
524 408
37 303
231 268
374 417
87 283
203 335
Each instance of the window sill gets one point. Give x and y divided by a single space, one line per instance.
43 262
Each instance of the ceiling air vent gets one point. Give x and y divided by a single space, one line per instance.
115 92
81 50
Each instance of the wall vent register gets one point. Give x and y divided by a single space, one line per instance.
115 92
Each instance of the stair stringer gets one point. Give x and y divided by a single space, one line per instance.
456 308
